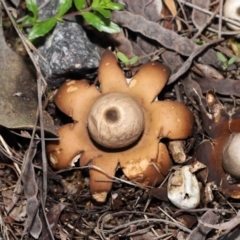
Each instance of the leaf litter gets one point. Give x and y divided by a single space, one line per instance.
132 212
18 101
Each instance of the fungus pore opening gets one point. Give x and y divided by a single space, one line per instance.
238 11
112 115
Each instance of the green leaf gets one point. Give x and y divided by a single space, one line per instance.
133 60
100 23
122 57
28 20
221 57
105 1
42 28
95 3
225 65
106 13
200 42
114 6
110 28
232 60
59 19
80 4
32 7
63 7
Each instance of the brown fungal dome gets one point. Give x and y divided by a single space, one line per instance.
231 10
231 156
220 153
115 120
125 120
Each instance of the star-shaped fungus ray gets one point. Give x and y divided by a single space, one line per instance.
171 119
75 98
110 75
101 180
149 80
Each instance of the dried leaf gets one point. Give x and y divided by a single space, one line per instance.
123 44
33 223
187 219
172 8
18 91
18 212
223 86
208 71
187 64
159 193
173 60
52 217
210 58
193 90
150 10
235 45
201 231
200 18
165 37
222 226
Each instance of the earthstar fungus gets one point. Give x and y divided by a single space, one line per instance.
231 156
119 124
221 152
231 10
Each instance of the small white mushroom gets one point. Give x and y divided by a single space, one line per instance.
232 10
183 188
231 156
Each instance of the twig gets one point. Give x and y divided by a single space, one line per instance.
42 134
224 226
170 216
224 33
220 19
149 220
47 223
208 22
208 12
115 178
188 63
9 153
41 86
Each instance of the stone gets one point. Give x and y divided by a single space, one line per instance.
67 49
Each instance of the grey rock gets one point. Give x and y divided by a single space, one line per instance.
47 8
67 50
16 4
